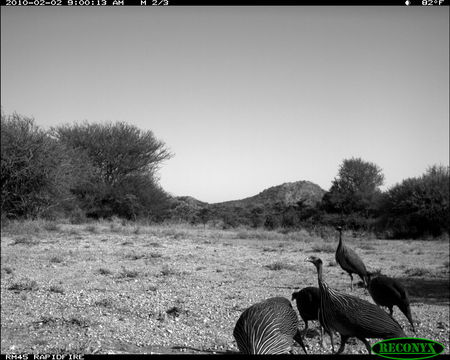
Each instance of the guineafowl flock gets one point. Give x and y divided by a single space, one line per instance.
271 326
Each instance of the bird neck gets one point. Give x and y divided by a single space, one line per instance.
340 239
319 274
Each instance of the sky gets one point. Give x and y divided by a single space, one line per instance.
244 97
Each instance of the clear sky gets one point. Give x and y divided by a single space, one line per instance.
245 97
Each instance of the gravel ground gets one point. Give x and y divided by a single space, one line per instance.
111 289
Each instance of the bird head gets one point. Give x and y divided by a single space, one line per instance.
373 274
339 228
314 259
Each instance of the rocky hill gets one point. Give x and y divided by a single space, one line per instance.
266 208
191 201
287 194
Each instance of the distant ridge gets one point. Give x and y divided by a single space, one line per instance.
287 194
191 201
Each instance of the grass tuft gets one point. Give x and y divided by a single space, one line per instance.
78 321
106 302
323 248
103 271
125 273
25 240
418 271
8 270
166 271
137 230
52 226
92 229
56 289
56 259
24 285
134 256
366 247
278 265
154 244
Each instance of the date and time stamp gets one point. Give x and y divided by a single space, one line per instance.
157 2
84 2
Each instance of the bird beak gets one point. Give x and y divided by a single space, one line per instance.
308 259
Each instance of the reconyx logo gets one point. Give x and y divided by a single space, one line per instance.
407 348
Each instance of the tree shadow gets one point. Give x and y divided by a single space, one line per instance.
426 290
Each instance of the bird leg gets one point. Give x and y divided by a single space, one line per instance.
391 310
344 339
351 282
321 336
367 344
298 338
332 341
365 281
305 330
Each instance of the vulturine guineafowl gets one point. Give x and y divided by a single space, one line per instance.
387 291
307 300
351 316
268 327
349 261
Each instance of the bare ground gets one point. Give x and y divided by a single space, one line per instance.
113 288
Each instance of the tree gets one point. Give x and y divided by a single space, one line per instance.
418 206
355 189
37 172
257 217
203 215
116 150
125 159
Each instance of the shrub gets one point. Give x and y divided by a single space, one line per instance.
37 171
418 206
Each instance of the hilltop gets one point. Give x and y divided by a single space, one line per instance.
266 208
288 194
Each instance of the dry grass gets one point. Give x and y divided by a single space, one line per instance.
115 287
24 285
103 271
56 289
279 265
323 248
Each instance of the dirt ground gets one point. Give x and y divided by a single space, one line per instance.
114 288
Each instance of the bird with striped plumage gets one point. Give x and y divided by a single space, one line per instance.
268 327
351 316
349 261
